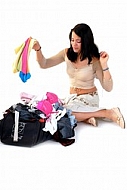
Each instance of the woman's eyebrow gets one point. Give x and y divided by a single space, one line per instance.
76 39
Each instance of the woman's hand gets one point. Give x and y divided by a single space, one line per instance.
104 59
36 46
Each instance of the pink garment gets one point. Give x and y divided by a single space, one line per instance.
26 97
25 55
45 106
51 97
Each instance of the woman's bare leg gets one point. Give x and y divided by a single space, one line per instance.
112 114
81 116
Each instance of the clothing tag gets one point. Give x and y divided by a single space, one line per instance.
16 126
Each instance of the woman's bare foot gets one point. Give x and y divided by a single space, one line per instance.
91 121
117 117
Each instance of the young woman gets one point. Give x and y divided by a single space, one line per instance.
84 64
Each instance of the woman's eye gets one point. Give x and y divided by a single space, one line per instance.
77 41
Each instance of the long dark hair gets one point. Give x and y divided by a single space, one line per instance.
88 47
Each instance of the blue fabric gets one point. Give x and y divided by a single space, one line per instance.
24 77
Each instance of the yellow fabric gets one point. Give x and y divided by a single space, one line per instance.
17 64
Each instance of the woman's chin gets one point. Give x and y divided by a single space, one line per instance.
76 51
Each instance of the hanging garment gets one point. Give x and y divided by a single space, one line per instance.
22 59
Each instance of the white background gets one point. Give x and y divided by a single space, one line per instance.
98 158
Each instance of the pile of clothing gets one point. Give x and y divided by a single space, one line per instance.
58 122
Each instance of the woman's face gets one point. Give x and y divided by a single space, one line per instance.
76 43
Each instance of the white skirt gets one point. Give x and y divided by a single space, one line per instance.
82 103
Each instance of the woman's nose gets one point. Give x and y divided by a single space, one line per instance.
75 43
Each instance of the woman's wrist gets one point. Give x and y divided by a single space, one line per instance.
105 69
38 49
105 66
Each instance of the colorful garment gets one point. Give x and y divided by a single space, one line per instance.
22 59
